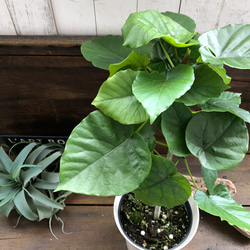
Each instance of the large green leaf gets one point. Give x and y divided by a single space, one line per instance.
224 207
134 61
207 84
227 101
157 91
219 140
115 99
142 27
163 186
174 123
106 50
103 157
228 45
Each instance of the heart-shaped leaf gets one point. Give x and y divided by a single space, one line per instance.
157 91
103 157
140 28
115 99
105 50
219 140
163 186
207 84
228 45
174 123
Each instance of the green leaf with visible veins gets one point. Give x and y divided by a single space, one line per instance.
116 99
209 177
134 61
141 27
219 140
227 101
174 123
228 45
221 204
105 50
157 91
163 186
207 84
103 157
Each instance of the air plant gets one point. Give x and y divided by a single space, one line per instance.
27 183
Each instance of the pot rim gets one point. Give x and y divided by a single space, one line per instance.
194 215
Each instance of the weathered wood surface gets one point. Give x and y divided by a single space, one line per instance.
97 17
46 89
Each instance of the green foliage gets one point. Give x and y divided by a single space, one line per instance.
27 184
165 75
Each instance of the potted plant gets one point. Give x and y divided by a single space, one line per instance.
163 76
28 181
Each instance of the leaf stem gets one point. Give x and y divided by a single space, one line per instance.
176 54
167 55
162 144
142 125
190 174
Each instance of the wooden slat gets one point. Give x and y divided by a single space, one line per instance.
93 227
205 13
42 45
112 14
45 98
32 17
74 17
159 5
6 25
76 199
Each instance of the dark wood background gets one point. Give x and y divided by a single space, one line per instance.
47 86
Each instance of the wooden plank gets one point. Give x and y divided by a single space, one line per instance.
93 227
159 5
6 24
32 17
205 13
46 99
112 14
74 17
42 45
234 12
88 200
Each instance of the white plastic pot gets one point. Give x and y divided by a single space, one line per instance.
194 222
